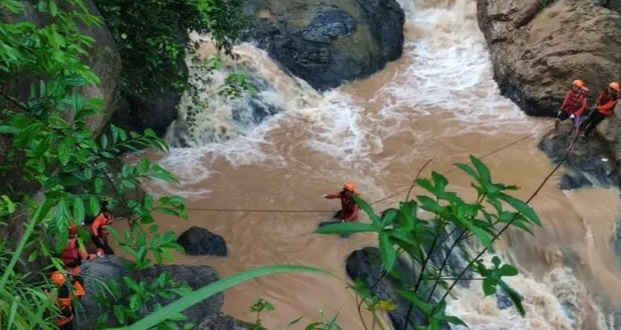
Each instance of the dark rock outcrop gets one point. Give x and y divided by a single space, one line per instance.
95 274
200 241
194 276
113 268
365 265
330 42
588 164
221 321
537 52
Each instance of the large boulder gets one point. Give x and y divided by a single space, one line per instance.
195 277
329 42
200 241
95 274
365 265
102 270
538 51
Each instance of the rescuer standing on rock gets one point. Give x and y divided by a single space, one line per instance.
604 107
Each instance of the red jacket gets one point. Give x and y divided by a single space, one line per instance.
575 102
606 102
349 208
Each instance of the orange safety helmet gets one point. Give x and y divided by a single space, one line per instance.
57 278
349 186
614 86
73 229
578 82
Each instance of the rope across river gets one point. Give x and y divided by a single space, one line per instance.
509 145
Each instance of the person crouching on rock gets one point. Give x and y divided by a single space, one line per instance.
573 105
99 234
604 107
73 256
349 208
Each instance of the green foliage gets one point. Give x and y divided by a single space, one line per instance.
152 37
129 299
191 299
263 305
452 221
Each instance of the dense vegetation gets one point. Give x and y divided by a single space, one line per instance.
48 144
152 40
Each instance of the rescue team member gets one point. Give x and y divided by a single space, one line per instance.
72 256
573 106
349 208
99 234
605 106
64 299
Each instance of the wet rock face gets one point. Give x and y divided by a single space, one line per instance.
330 42
537 52
587 165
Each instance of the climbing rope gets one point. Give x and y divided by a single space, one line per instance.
493 152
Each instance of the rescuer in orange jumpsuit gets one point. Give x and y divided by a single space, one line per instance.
99 234
64 299
349 208
605 106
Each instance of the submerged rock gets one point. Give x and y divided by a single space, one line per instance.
330 42
365 265
221 321
200 241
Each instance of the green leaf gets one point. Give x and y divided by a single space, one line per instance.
294 322
93 205
515 297
6 129
346 228
466 168
507 270
78 210
389 216
119 313
53 9
387 252
368 210
98 185
63 154
521 207
209 290
489 286
484 174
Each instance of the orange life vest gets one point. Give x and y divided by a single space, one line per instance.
574 100
606 97
71 253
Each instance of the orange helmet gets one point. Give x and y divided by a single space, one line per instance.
578 83
73 229
57 278
349 186
614 86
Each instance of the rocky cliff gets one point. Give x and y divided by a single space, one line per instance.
538 47
537 51
330 42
